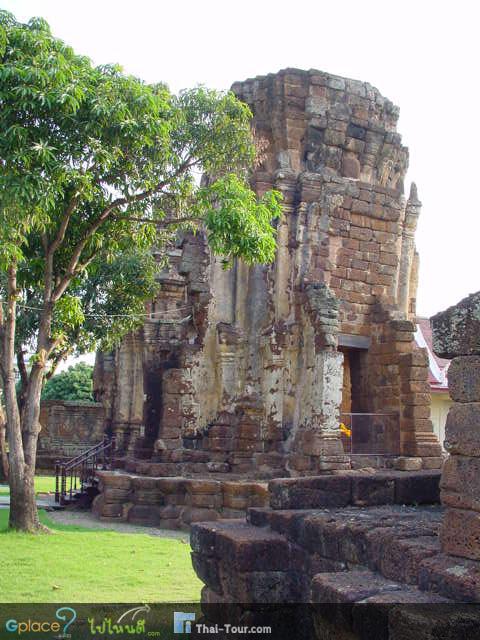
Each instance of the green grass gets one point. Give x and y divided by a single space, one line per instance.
73 564
43 484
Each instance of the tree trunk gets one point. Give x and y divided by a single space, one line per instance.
23 507
3 445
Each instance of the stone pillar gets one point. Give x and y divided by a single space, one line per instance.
317 443
412 213
417 437
228 345
456 334
128 405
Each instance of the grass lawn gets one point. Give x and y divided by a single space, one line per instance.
74 564
43 484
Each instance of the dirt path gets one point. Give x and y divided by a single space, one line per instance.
87 520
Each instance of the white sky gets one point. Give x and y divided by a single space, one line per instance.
423 55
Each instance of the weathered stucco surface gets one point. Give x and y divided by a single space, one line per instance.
239 371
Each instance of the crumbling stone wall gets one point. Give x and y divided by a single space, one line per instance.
239 371
67 429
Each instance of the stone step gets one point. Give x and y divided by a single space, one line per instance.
361 604
381 554
391 540
358 489
365 586
249 564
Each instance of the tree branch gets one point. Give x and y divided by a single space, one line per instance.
57 242
162 223
23 377
67 216
22 368
56 361
71 269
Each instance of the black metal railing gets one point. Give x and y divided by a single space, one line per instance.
73 477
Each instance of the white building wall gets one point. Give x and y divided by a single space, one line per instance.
441 403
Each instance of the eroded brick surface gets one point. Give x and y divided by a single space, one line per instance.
241 372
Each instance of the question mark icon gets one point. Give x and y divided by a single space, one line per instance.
61 616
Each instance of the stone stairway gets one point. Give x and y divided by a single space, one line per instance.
337 542
358 553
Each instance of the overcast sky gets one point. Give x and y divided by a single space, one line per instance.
423 55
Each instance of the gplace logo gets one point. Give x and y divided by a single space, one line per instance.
182 622
65 614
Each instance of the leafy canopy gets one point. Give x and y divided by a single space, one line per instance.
76 383
97 167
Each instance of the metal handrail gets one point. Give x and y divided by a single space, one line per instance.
80 470
88 452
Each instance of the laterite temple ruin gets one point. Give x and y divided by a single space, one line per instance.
281 413
249 373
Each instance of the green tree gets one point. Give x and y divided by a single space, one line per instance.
76 383
95 168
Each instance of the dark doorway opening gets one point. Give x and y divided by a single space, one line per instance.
354 395
153 403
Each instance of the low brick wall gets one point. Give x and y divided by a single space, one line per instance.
68 428
174 503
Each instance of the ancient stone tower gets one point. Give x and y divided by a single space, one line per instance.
247 371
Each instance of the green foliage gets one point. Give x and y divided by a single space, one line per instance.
76 383
97 167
